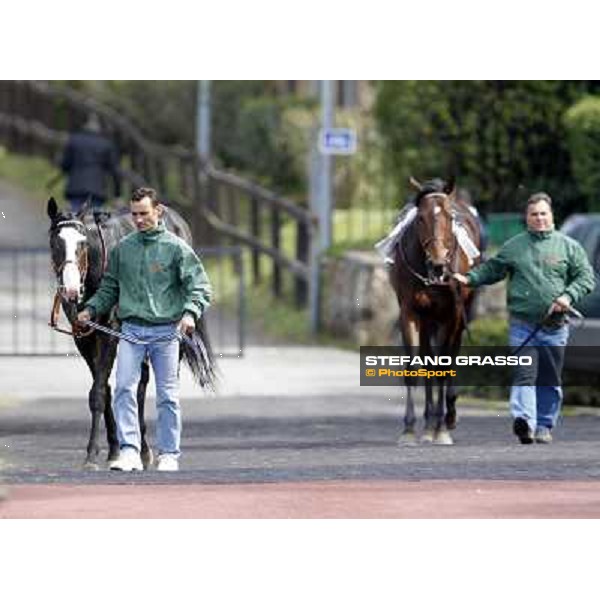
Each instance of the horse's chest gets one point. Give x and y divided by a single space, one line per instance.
431 301
423 300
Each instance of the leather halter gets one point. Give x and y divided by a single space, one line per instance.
427 281
82 265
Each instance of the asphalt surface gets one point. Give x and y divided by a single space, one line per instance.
271 439
290 433
280 414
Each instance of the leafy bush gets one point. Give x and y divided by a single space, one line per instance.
502 139
582 122
487 331
270 144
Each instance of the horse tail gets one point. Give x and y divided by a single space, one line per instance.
199 357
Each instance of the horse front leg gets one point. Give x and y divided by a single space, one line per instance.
410 336
451 397
107 361
87 349
111 430
102 354
407 437
93 447
429 414
146 453
451 392
426 349
441 435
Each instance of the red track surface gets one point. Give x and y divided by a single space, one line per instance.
355 499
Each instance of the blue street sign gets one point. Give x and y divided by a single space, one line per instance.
337 141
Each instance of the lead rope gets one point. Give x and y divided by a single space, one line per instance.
131 338
102 243
572 311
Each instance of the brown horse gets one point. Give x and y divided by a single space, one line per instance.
433 306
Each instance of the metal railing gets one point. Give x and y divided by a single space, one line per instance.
28 285
222 209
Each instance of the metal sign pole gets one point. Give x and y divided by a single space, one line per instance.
320 200
203 120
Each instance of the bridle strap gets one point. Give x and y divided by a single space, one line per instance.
55 311
102 243
54 315
82 266
426 281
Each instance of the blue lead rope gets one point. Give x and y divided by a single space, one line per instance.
572 311
198 349
132 339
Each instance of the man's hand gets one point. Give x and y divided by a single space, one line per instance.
460 278
561 304
187 325
84 316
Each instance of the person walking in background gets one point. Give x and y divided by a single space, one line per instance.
547 273
88 160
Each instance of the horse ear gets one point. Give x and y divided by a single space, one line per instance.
52 208
450 187
418 186
87 205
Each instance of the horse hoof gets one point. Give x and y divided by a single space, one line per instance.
443 438
451 421
407 438
147 459
427 437
90 466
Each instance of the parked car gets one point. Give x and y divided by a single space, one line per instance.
586 230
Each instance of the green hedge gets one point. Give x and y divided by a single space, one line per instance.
582 123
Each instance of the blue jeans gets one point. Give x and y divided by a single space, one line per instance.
538 404
164 358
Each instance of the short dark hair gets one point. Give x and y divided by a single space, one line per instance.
539 197
139 194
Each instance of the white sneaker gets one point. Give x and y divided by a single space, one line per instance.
167 462
129 460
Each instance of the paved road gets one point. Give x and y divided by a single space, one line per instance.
290 434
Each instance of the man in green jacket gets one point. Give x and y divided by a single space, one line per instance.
548 272
161 288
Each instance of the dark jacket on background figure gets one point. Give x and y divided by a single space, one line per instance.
87 161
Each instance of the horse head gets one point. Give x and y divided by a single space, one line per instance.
434 222
68 252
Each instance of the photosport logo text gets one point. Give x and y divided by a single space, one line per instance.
474 366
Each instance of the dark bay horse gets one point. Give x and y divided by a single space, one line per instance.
433 306
79 249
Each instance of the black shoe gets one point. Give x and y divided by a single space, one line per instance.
522 431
